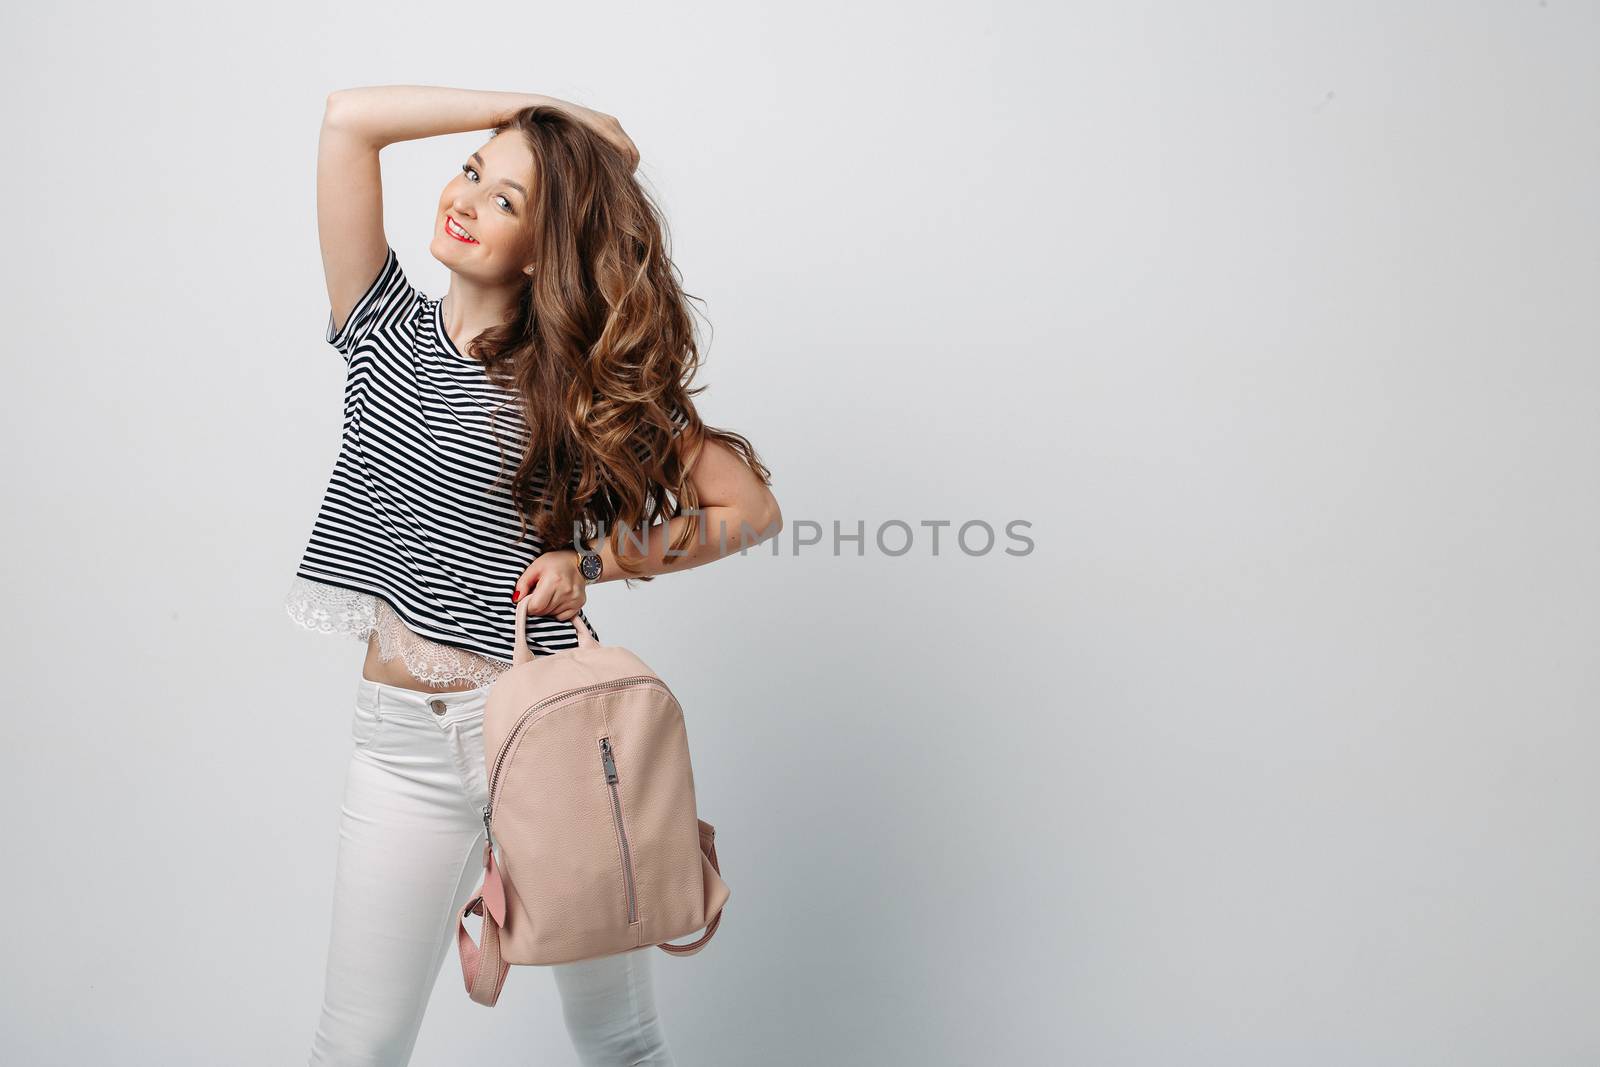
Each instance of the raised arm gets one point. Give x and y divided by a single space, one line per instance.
356 125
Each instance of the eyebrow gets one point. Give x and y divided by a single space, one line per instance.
508 181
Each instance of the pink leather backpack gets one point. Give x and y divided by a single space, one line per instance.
592 813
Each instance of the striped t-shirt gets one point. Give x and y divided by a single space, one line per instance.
412 513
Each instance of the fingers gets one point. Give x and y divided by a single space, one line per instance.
624 144
540 597
551 585
625 148
551 599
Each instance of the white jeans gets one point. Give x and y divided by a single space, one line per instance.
410 857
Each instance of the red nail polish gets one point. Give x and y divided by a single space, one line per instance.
516 594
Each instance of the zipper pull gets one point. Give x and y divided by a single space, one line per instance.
606 760
488 841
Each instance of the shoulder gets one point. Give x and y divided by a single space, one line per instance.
390 307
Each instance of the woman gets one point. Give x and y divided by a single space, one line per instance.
519 436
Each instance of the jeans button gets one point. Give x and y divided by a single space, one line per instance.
439 707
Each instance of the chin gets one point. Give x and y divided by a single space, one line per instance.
454 247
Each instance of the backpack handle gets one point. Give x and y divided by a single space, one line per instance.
519 648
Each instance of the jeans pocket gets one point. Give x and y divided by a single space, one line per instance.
365 722
466 743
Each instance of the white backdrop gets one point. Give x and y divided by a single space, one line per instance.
1275 323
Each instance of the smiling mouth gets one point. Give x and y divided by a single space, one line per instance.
454 230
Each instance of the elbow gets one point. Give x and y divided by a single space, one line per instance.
769 518
333 107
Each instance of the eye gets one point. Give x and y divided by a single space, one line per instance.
472 176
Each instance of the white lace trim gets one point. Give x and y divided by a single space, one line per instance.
332 609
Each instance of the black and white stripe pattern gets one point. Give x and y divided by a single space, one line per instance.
411 512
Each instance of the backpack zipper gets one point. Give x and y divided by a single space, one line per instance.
610 767
522 721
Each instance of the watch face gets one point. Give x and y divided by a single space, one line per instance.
589 566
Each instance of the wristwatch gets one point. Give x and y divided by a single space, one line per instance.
588 564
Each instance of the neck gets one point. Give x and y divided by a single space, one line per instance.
467 309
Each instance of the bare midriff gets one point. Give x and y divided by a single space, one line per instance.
395 673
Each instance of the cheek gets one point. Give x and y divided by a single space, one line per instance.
506 233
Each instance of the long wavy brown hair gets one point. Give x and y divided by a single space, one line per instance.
601 349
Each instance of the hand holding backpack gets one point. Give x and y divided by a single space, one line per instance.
594 843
